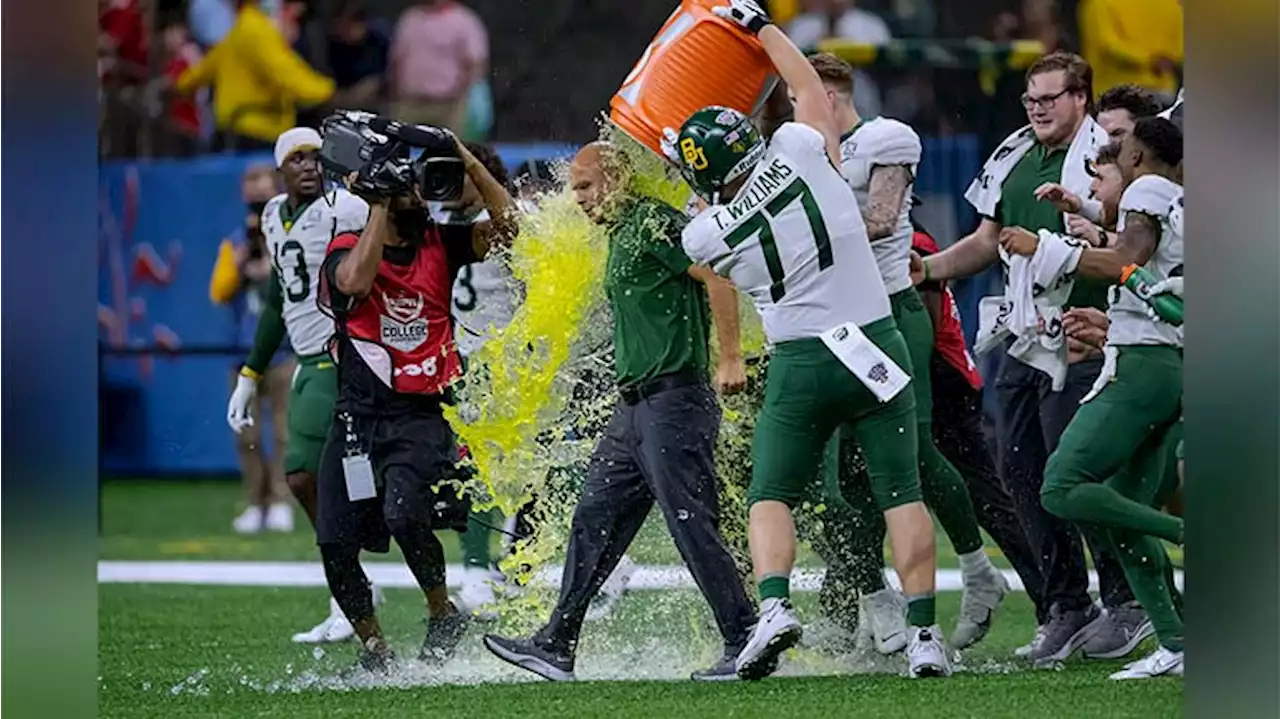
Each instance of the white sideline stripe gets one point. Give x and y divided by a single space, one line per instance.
388 574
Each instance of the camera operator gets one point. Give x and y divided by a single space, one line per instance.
390 449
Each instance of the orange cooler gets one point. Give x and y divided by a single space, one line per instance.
697 59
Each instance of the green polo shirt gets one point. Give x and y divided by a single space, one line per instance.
1019 208
661 317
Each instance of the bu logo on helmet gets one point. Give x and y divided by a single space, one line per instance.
693 155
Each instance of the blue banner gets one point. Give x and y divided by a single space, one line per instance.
161 222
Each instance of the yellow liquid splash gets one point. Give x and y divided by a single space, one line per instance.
518 405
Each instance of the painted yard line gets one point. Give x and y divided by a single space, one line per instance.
388 574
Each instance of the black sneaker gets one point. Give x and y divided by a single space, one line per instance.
1066 631
376 657
443 635
725 670
528 654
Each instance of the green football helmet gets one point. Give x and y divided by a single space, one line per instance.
716 146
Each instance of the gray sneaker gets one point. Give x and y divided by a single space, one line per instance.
443 635
1066 631
984 590
1025 650
1120 630
726 669
530 655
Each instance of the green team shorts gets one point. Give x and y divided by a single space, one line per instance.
1127 435
808 394
311 398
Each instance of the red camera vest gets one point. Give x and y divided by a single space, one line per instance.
403 330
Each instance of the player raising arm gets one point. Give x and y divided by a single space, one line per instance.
298 226
783 225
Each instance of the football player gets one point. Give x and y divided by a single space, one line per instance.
784 226
298 225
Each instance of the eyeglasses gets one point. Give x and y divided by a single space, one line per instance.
1045 102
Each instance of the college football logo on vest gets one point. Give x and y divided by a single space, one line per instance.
879 373
403 326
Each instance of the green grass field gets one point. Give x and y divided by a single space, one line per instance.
168 650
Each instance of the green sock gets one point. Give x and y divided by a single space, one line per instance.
1150 575
921 610
775 586
475 541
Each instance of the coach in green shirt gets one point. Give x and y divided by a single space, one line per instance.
659 445
1033 416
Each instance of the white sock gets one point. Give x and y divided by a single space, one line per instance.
974 561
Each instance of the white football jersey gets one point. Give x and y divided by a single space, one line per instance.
880 142
297 253
794 240
1161 199
485 295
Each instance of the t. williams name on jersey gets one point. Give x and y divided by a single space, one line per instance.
764 186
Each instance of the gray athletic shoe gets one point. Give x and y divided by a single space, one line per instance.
725 670
528 654
984 590
1066 632
443 635
376 657
1120 630
1025 650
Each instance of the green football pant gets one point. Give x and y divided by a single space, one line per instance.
1111 471
311 398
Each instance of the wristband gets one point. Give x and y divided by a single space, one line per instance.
757 23
249 373
928 276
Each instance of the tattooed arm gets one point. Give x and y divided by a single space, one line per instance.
1134 246
888 189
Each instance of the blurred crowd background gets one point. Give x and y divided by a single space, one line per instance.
183 77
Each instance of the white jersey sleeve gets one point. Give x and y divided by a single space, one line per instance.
350 212
800 141
793 239
882 142
1162 200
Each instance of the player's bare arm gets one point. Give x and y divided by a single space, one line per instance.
731 374
806 87
503 224
358 268
1134 246
970 255
887 190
